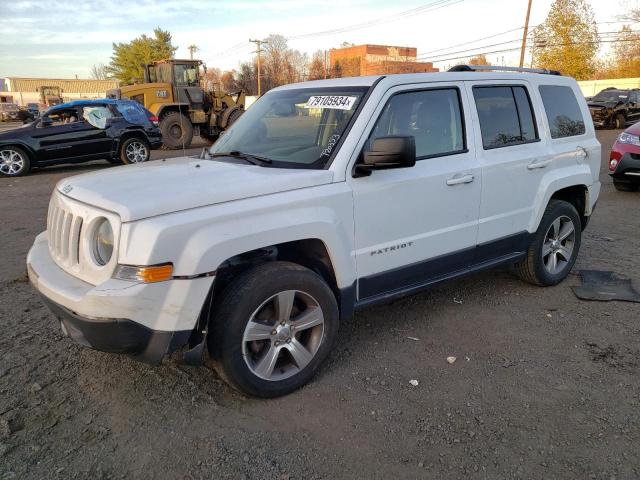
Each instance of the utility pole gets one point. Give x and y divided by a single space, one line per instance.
326 66
192 49
524 35
258 51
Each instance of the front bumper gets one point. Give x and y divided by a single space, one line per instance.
147 321
118 335
628 168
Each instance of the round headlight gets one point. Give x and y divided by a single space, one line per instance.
103 242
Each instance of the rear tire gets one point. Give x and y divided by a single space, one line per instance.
134 150
176 130
257 338
625 187
14 162
554 247
235 115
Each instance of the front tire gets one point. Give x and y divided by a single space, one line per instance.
134 150
272 328
14 162
554 247
619 122
176 130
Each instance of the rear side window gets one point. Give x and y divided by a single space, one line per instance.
132 112
563 111
432 117
505 114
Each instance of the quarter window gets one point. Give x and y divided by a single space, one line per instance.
563 111
432 117
505 114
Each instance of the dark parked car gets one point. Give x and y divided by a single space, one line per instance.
9 112
117 130
624 160
614 108
33 109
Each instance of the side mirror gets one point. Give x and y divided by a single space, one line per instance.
46 122
385 153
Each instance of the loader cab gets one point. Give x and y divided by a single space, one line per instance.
184 77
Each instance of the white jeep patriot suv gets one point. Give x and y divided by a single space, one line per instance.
323 198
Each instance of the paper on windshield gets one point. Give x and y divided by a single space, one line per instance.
338 102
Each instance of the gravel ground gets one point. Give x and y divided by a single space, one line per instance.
544 385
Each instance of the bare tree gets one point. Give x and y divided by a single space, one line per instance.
99 72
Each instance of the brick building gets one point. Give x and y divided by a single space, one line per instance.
376 60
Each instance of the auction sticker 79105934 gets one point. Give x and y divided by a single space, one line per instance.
339 102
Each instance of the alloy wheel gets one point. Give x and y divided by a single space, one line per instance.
11 162
283 335
558 245
136 152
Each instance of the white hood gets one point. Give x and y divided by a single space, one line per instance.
149 189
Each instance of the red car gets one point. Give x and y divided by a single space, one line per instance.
624 160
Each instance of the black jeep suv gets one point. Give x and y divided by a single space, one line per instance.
614 108
120 131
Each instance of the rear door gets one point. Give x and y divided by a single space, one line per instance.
513 161
94 138
416 225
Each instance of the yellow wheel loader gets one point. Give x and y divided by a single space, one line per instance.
173 91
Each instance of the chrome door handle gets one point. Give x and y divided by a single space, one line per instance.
458 179
539 164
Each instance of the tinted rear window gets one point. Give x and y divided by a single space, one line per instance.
133 113
563 111
505 116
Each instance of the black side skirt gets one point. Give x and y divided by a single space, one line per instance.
400 282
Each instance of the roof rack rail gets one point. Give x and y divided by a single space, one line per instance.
486 68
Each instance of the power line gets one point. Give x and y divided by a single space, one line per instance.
424 54
470 51
414 11
546 46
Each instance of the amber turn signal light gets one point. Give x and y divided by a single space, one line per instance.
152 274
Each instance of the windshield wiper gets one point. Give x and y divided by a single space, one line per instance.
247 157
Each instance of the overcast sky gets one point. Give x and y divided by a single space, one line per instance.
61 39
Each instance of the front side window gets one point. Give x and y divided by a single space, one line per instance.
563 111
62 116
505 115
186 75
297 128
432 117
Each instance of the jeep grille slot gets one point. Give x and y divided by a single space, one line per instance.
64 234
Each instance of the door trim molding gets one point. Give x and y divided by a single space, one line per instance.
402 281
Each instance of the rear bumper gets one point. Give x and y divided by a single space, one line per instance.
118 335
628 169
155 142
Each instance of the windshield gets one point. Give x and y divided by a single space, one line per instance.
610 96
9 107
294 128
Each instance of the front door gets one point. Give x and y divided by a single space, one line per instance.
416 225
56 133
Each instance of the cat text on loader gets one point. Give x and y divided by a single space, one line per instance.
173 91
